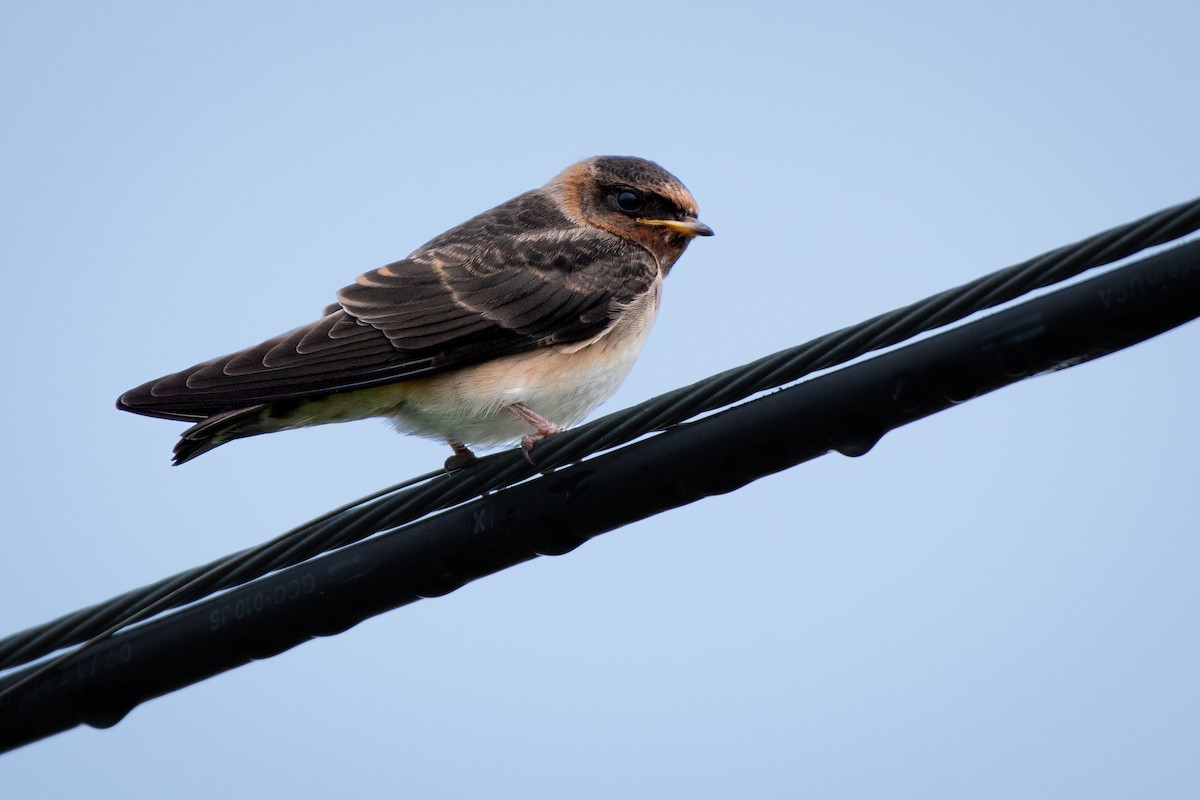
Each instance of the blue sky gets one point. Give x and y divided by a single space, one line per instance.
995 602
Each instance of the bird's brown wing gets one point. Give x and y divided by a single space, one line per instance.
451 304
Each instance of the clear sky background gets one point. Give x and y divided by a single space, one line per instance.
999 601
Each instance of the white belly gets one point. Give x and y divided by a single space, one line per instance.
562 383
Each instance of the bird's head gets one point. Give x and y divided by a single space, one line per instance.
632 198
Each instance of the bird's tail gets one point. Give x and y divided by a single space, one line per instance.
217 430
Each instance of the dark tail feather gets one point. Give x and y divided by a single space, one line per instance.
217 430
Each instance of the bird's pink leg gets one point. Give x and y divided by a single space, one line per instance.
461 458
544 426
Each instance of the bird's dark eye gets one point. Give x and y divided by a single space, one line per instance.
629 200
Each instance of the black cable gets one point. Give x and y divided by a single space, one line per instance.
847 410
370 516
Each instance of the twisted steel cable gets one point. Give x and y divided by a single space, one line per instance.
425 494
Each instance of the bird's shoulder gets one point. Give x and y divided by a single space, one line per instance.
523 267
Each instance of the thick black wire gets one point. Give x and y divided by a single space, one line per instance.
405 502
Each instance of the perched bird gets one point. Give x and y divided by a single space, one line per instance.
518 321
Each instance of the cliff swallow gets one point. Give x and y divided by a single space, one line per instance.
518 321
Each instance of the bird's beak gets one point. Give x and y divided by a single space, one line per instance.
689 227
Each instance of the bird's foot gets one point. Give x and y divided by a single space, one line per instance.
544 428
461 458
527 443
